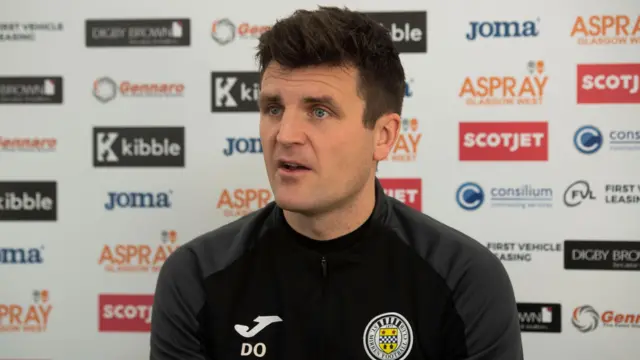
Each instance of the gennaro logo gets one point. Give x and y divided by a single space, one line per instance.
138 147
23 256
586 319
536 317
235 91
138 200
243 146
15 31
27 144
28 201
31 90
408 30
503 29
608 83
470 196
578 192
106 89
224 31
138 32
588 139
601 255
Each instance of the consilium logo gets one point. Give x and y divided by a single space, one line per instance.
503 29
31 90
408 30
28 201
138 200
588 139
470 196
138 147
235 91
536 317
137 32
23 256
602 255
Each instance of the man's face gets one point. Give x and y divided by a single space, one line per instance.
317 151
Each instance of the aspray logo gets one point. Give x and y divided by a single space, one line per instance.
138 200
608 83
137 32
28 201
28 144
503 29
26 317
125 312
607 30
406 147
224 31
138 258
407 190
21 255
242 145
506 90
240 202
106 89
235 91
139 146
31 90
503 141
408 29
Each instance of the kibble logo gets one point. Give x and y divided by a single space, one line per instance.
31 90
138 147
235 91
138 32
28 201
408 30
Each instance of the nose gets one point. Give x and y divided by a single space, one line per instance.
291 129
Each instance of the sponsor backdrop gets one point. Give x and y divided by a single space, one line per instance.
129 128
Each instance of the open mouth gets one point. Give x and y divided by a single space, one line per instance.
291 166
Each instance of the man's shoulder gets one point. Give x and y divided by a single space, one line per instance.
449 251
216 249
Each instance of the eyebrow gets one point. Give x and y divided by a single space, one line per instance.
329 101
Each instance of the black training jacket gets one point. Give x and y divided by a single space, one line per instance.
410 288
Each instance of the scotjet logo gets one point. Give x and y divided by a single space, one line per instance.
15 31
138 258
608 83
235 91
225 31
28 201
506 90
26 317
408 30
138 200
607 30
408 191
138 147
106 89
22 256
138 32
502 29
503 141
31 90
242 146
125 313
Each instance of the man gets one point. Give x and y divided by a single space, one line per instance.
333 269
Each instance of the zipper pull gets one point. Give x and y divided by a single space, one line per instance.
324 267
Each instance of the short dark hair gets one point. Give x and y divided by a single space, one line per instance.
340 37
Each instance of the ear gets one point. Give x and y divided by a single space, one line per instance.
386 133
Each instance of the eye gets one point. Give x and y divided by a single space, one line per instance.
320 113
273 110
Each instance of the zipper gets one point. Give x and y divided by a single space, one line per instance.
323 262
323 322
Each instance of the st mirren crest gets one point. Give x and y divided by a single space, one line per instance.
388 336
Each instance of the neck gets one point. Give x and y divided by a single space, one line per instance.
336 222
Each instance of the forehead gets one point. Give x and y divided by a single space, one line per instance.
337 82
